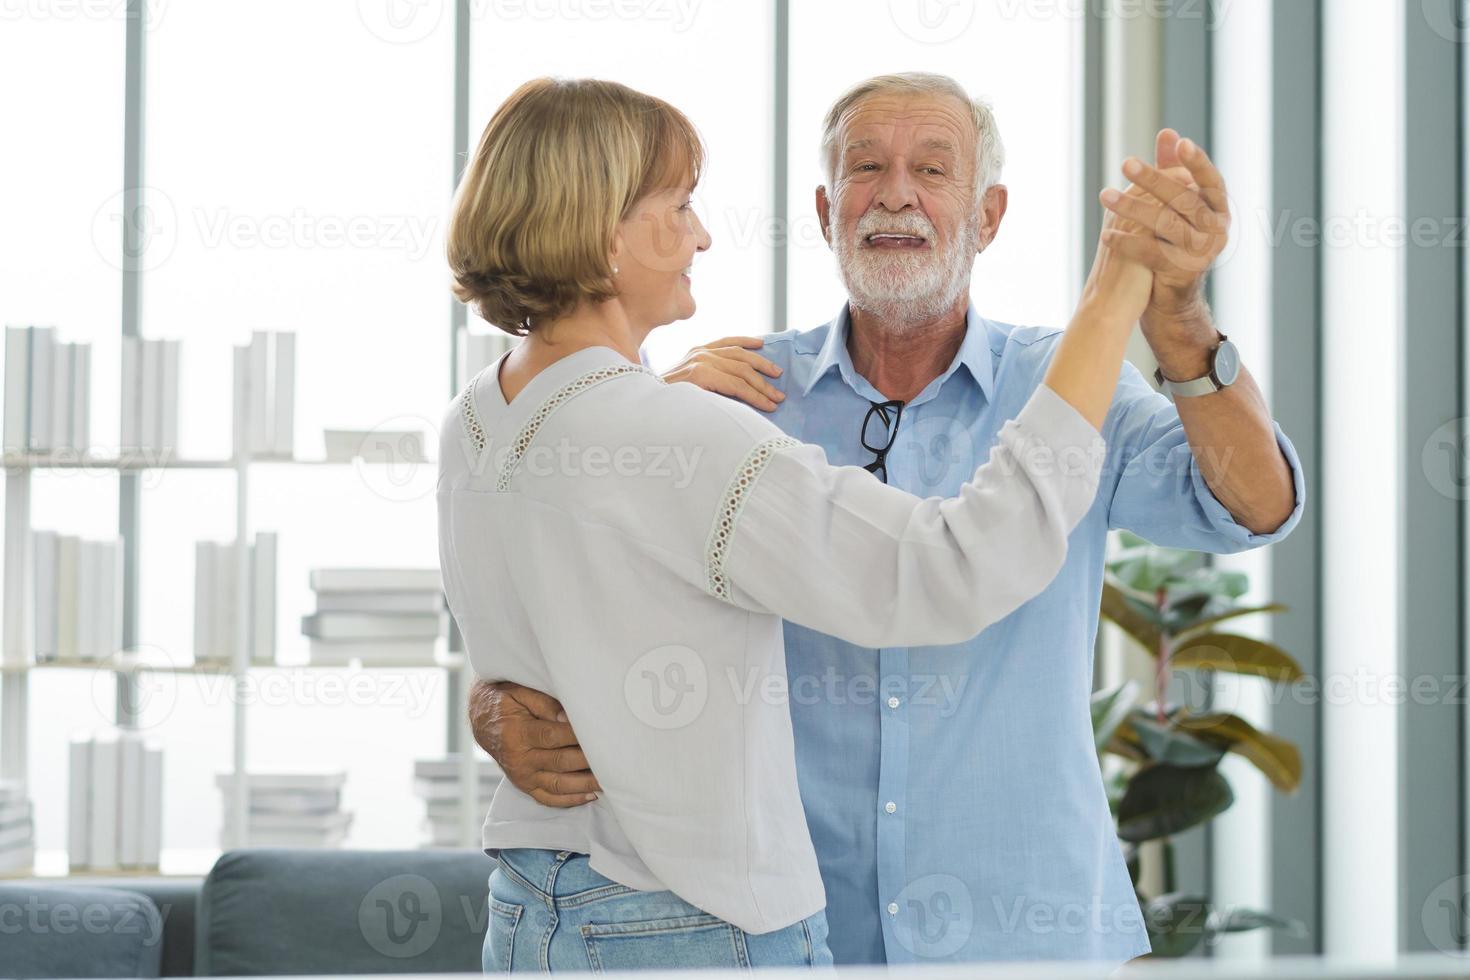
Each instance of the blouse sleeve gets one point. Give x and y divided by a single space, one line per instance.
837 550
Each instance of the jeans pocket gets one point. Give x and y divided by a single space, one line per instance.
495 957
690 941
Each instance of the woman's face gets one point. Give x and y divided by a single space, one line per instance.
653 252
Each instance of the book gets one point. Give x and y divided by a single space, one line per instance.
130 800
150 401
204 600
263 597
44 548
17 859
310 823
105 768
80 437
68 560
40 351
85 628
15 812
168 398
79 801
256 782
448 768
260 420
12 791
369 626
17 388
386 603
152 819
59 391
130 410
283 422
376 580
440 790
393 652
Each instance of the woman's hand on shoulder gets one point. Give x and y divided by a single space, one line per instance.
730 367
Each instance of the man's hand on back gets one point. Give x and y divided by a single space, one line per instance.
527 733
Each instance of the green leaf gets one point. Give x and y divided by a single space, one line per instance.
1132 616
1167 743
1149 569
1240 919
1176 923
1164 799
1109 709
1207 622
1236 655
1276 758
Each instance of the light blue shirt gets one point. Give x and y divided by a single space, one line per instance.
953 793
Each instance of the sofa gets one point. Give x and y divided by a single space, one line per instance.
259 911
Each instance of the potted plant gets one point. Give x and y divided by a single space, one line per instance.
1161 759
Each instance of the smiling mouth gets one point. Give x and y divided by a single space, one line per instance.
888 239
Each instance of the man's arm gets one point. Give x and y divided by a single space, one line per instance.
1183 204
527 733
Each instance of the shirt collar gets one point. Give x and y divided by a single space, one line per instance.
974 354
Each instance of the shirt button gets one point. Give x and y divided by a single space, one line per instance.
891 807
893 702
892 908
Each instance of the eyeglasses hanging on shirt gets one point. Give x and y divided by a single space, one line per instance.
880 428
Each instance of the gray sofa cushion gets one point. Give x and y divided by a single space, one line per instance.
312 911
65 930
175 898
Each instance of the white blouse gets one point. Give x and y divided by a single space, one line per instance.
631 547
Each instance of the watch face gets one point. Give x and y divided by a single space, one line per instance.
1227 363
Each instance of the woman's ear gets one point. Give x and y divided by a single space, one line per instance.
617 252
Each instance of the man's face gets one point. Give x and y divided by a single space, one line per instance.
903 218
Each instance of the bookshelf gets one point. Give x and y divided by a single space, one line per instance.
17 662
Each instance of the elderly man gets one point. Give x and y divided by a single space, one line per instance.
953 794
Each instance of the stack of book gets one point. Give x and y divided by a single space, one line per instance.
149 409
115 801
17 829
215 601
475 350
375 615
47 402
265 393
288 809
436 782
78 596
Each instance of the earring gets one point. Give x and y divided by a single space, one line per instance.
615 270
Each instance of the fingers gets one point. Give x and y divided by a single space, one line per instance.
733 372
542 706
1165 222
1140 246
1211 182
764 365
733 342
1166 149
1182 198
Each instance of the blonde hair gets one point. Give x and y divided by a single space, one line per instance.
990 152
560 163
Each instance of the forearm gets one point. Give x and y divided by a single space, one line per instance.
1230 431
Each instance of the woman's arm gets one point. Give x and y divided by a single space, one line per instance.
831 548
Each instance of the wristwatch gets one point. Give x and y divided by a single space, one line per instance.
1224 369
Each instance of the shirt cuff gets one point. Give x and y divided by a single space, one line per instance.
1226 524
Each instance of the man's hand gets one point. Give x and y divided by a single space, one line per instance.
527 733
727 367
1181 205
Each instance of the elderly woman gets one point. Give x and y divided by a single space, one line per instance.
648 598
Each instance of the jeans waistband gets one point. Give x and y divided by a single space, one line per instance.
560 877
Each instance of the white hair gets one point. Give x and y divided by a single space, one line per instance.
989 151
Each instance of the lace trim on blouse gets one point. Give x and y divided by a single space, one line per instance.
473 430
562 395
734 499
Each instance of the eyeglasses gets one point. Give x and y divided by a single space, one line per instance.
880 425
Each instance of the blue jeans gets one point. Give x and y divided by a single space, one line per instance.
549 911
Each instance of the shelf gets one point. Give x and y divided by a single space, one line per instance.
156 461
135 664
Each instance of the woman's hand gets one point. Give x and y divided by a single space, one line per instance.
727 367
1118 287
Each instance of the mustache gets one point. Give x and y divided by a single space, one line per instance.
899 223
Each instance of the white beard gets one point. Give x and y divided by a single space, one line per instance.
898 286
